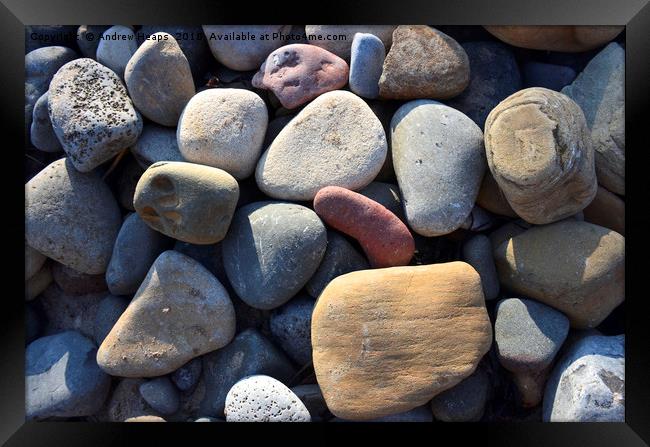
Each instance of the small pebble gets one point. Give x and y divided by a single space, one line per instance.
477 252
156 143
366 63
291 327
115 49
464 402
187 376
161 394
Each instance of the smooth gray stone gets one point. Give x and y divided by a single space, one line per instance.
41 134
40 67
439 161
340 258
464 402
271 251
73 282
528 334
65 312
550 76
588 383
249 353
161 395
59 199
387 195
156 143
261 398
88 39
62 378
109 311
187 376
136 248
291 328
477 252
366 64
116 53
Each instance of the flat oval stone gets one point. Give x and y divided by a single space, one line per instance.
161 395
340 258
271 251
298 73
91 113
62 378
465 402
576 267
366 64
588 383
109 310
600 92
540 153
403 335
180 311
290 326
477 252
263 399
223 128
115 53
41 134
156 143
249 353
383 236
159 79
342 43
241 47
60 198
186 201
439 162
423 63
137 246
555 38
338 133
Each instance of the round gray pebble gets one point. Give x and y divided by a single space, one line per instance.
109 311
161 394
291 328
477 252
41 133
366 64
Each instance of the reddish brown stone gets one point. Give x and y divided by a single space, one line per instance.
298 73
383 236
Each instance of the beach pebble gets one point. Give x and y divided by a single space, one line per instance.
92 114
386 194
59 199
394 350
337 133
588 383
161 395
494 75
109 310
491 198
477 252
606 210
340 258
290 327
298 73
262 398
576 267
244 53
311 396
249 353
189 202
223 128
145 419
385 239
366 64
159 79
75 283
328 36
137 246
600 92
540 153
187 376
528 335
180 311
88 38
271 251
555 38
439 162
423 63
550 76
42 135
64 312
126 402
156 143
62 378
117 46
464 402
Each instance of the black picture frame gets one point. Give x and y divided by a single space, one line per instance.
634 14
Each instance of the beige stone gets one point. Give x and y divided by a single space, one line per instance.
576 267
565 38
539 151
606 210
388 340
491 198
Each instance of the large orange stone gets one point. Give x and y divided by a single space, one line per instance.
388 340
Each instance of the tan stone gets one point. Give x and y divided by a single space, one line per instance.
491 198
566 38
606 210
145 419
388 340
539 151
576 267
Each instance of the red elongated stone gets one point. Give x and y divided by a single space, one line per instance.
383 236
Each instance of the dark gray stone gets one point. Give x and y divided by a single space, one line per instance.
33 323
312 397
387 195
291 328
418 414
62 378
156 143
109 311
553 77
477 252
73 282
161 395
41 134
464 402
88 39
65 312
38 36
187 376
248 354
